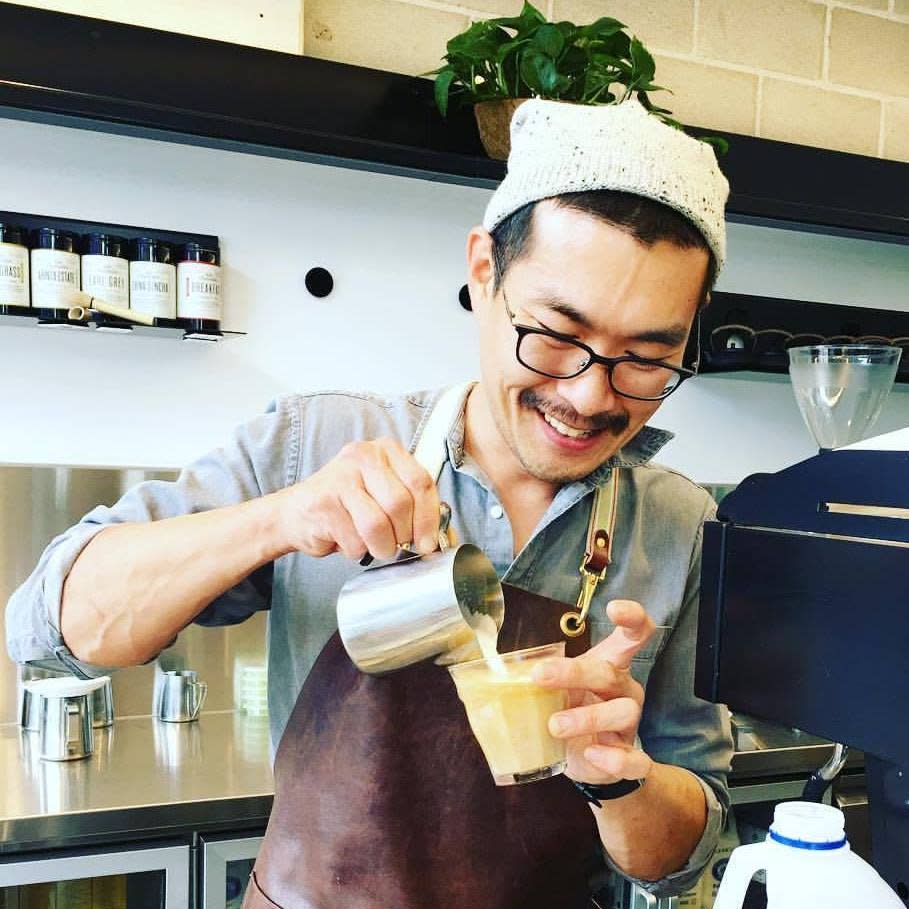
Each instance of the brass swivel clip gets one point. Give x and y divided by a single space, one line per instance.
574 621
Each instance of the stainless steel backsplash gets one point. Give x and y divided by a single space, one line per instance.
37 503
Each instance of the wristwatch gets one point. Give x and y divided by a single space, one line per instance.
596 793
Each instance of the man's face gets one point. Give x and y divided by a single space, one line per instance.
580 277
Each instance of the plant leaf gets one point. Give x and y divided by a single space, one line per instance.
568 29
649 105
441 88
531 13
549 40
720 145
602 28
529 18
539 72
618 45
670 122
478 43
573 62
642 62
510 47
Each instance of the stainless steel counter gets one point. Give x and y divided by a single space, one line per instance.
144 778
148 778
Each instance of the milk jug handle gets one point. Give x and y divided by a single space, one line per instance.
744 863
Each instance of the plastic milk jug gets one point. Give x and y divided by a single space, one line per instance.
808 863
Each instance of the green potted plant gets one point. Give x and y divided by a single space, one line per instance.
497 64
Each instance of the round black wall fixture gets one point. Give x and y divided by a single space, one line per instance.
464 298
319 282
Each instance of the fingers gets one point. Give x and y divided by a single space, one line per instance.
619 715
582 674
388 496
633 629
371 524
393 499
617 762
424 497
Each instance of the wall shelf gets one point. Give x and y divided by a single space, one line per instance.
167 329
91 73
746 336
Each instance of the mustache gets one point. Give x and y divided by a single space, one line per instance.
615 423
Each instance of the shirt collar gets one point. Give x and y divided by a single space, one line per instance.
636 451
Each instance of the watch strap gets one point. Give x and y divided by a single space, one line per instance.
597 793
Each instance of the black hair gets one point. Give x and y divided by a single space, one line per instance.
646 220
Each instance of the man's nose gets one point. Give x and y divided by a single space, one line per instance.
590 393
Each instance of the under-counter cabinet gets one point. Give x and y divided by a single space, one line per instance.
156 877
226 865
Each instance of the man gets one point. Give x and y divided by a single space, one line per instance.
597 252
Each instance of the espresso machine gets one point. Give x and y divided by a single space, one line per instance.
804 615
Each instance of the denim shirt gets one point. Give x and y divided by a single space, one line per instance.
656 560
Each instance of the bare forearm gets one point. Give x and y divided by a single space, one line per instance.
136 586
652 832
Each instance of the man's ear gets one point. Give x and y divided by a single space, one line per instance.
480 266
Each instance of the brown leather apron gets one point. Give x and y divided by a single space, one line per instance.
383 799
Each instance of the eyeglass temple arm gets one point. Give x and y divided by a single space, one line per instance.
696 364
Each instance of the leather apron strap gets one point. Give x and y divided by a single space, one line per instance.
431 446
597 553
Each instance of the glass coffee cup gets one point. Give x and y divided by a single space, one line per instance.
509 714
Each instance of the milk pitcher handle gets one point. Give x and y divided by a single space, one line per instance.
201 690
744 863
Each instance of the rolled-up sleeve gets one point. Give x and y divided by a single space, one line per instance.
253 463
680 729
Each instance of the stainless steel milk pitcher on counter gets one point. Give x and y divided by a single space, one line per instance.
179 696
65 716
399 613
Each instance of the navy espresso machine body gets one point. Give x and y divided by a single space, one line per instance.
804 618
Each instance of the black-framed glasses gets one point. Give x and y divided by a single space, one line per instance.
559 356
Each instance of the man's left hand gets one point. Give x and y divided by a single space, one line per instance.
605 702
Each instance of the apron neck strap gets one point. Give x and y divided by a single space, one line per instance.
597 553
431 444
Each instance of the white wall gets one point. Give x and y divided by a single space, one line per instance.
396 249
273 24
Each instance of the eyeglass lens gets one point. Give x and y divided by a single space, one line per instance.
562 359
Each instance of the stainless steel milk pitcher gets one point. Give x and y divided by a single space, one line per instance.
65 716
179 696
402 612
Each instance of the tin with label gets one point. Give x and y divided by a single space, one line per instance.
14 273
152 278
199 288
55 272
105 268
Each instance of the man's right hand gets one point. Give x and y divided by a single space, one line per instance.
371 497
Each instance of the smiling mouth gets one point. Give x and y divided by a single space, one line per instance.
566 430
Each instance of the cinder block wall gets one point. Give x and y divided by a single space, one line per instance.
829 74
818 72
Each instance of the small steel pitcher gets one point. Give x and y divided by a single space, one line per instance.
402 612
65 716
102 699
179 696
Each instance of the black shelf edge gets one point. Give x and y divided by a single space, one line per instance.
128 232
797 317
167 329
77 71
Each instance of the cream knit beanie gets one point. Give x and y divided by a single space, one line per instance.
561 148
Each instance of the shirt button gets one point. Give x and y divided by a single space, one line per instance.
497 511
